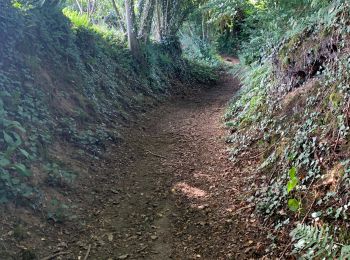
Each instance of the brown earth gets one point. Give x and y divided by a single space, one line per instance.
167 191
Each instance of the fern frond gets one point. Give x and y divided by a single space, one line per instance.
312 242
345 253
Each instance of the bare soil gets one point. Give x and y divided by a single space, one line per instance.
167 191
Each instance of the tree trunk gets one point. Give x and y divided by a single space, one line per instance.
159 33
80 7
203 28
146 19
119 16
93 6
133 43
90 7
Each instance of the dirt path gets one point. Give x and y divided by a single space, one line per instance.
169 192
165 191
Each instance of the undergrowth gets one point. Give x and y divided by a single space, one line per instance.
200 51
293 109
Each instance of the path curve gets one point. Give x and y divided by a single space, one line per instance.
173 193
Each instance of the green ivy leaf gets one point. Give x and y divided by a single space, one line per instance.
4 162
15 181
24 153
8 139
26 191
21 169
3 199
13 142
345 252
293 204
292 172
18 141
12 124
293 182
5 176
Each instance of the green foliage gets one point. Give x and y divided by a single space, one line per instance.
268 23
17 4
202 73
223 8
293 179
78 20
250 104
228 17
312 242
199 51
203 58
13 173
59 211
58 177
305 127
294 204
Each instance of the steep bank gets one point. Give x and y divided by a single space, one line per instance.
292 120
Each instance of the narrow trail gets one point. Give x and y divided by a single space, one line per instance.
176 194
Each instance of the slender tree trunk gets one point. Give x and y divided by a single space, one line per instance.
203 27
133 43
88 8
130 25
80 7
166 18
146 19
119 16
159 30
141 6
93 5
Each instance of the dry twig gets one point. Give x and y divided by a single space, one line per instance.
87 253
53 256
156 155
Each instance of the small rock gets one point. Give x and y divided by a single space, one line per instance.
248 249
154 237
110 237
62 245
123 256
203 206
259 246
